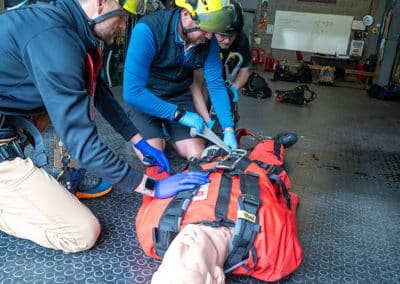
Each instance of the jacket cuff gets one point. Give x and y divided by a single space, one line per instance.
130 181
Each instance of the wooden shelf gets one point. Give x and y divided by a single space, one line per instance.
351 72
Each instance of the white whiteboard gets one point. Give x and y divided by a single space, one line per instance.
312 32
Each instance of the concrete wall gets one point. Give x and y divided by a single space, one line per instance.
355 8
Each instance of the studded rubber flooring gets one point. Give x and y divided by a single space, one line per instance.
345 167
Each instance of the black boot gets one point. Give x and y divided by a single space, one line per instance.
286 139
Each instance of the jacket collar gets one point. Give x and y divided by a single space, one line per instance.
77 17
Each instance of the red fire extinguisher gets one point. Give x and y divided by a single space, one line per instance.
268 63
360 67
275 64
261 57
255 55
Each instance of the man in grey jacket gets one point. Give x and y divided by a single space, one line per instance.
45 50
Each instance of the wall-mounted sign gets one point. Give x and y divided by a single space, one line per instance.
323 1
358 25
356 47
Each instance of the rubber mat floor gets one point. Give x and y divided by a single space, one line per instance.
345 167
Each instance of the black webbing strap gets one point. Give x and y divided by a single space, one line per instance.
170 221
273 175
194 165
312 95
11 151
277 150
243 164
247 225
40 156
224 195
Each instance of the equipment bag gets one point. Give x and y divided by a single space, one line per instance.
296 96
391 92
257 87
302 75
247 192
327 75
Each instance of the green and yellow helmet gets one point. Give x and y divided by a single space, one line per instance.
210 15
134 6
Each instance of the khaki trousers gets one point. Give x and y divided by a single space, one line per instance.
34 206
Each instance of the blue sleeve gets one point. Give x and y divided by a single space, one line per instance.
141 52
216 87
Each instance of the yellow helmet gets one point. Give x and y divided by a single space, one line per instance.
135 6
210 15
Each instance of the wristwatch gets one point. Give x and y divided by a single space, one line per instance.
149 186
180 111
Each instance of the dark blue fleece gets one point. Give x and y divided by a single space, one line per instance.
42 51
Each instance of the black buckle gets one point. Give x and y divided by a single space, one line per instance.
251 200
162 240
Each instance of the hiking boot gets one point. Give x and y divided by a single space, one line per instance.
286 139
91 187
82 184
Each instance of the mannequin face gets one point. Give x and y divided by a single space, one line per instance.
196 255
108 29
225 41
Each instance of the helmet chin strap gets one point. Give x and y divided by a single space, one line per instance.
106 16
187 31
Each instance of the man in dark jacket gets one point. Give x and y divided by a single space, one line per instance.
45 50
236 61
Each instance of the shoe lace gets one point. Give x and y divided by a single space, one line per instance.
70 178
89 182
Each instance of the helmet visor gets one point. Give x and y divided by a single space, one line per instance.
217 21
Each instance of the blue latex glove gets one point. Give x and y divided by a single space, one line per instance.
235 93
153 156
210 123
230 138
192 120
170 186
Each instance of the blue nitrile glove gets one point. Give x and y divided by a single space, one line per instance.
235 93
170 186
153 156
210 123
192 120
230 138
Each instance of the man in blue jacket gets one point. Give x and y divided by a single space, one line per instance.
45 50
165 49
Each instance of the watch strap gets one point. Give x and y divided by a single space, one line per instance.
180 113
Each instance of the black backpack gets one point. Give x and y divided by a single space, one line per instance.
257 87
296 96
302 75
